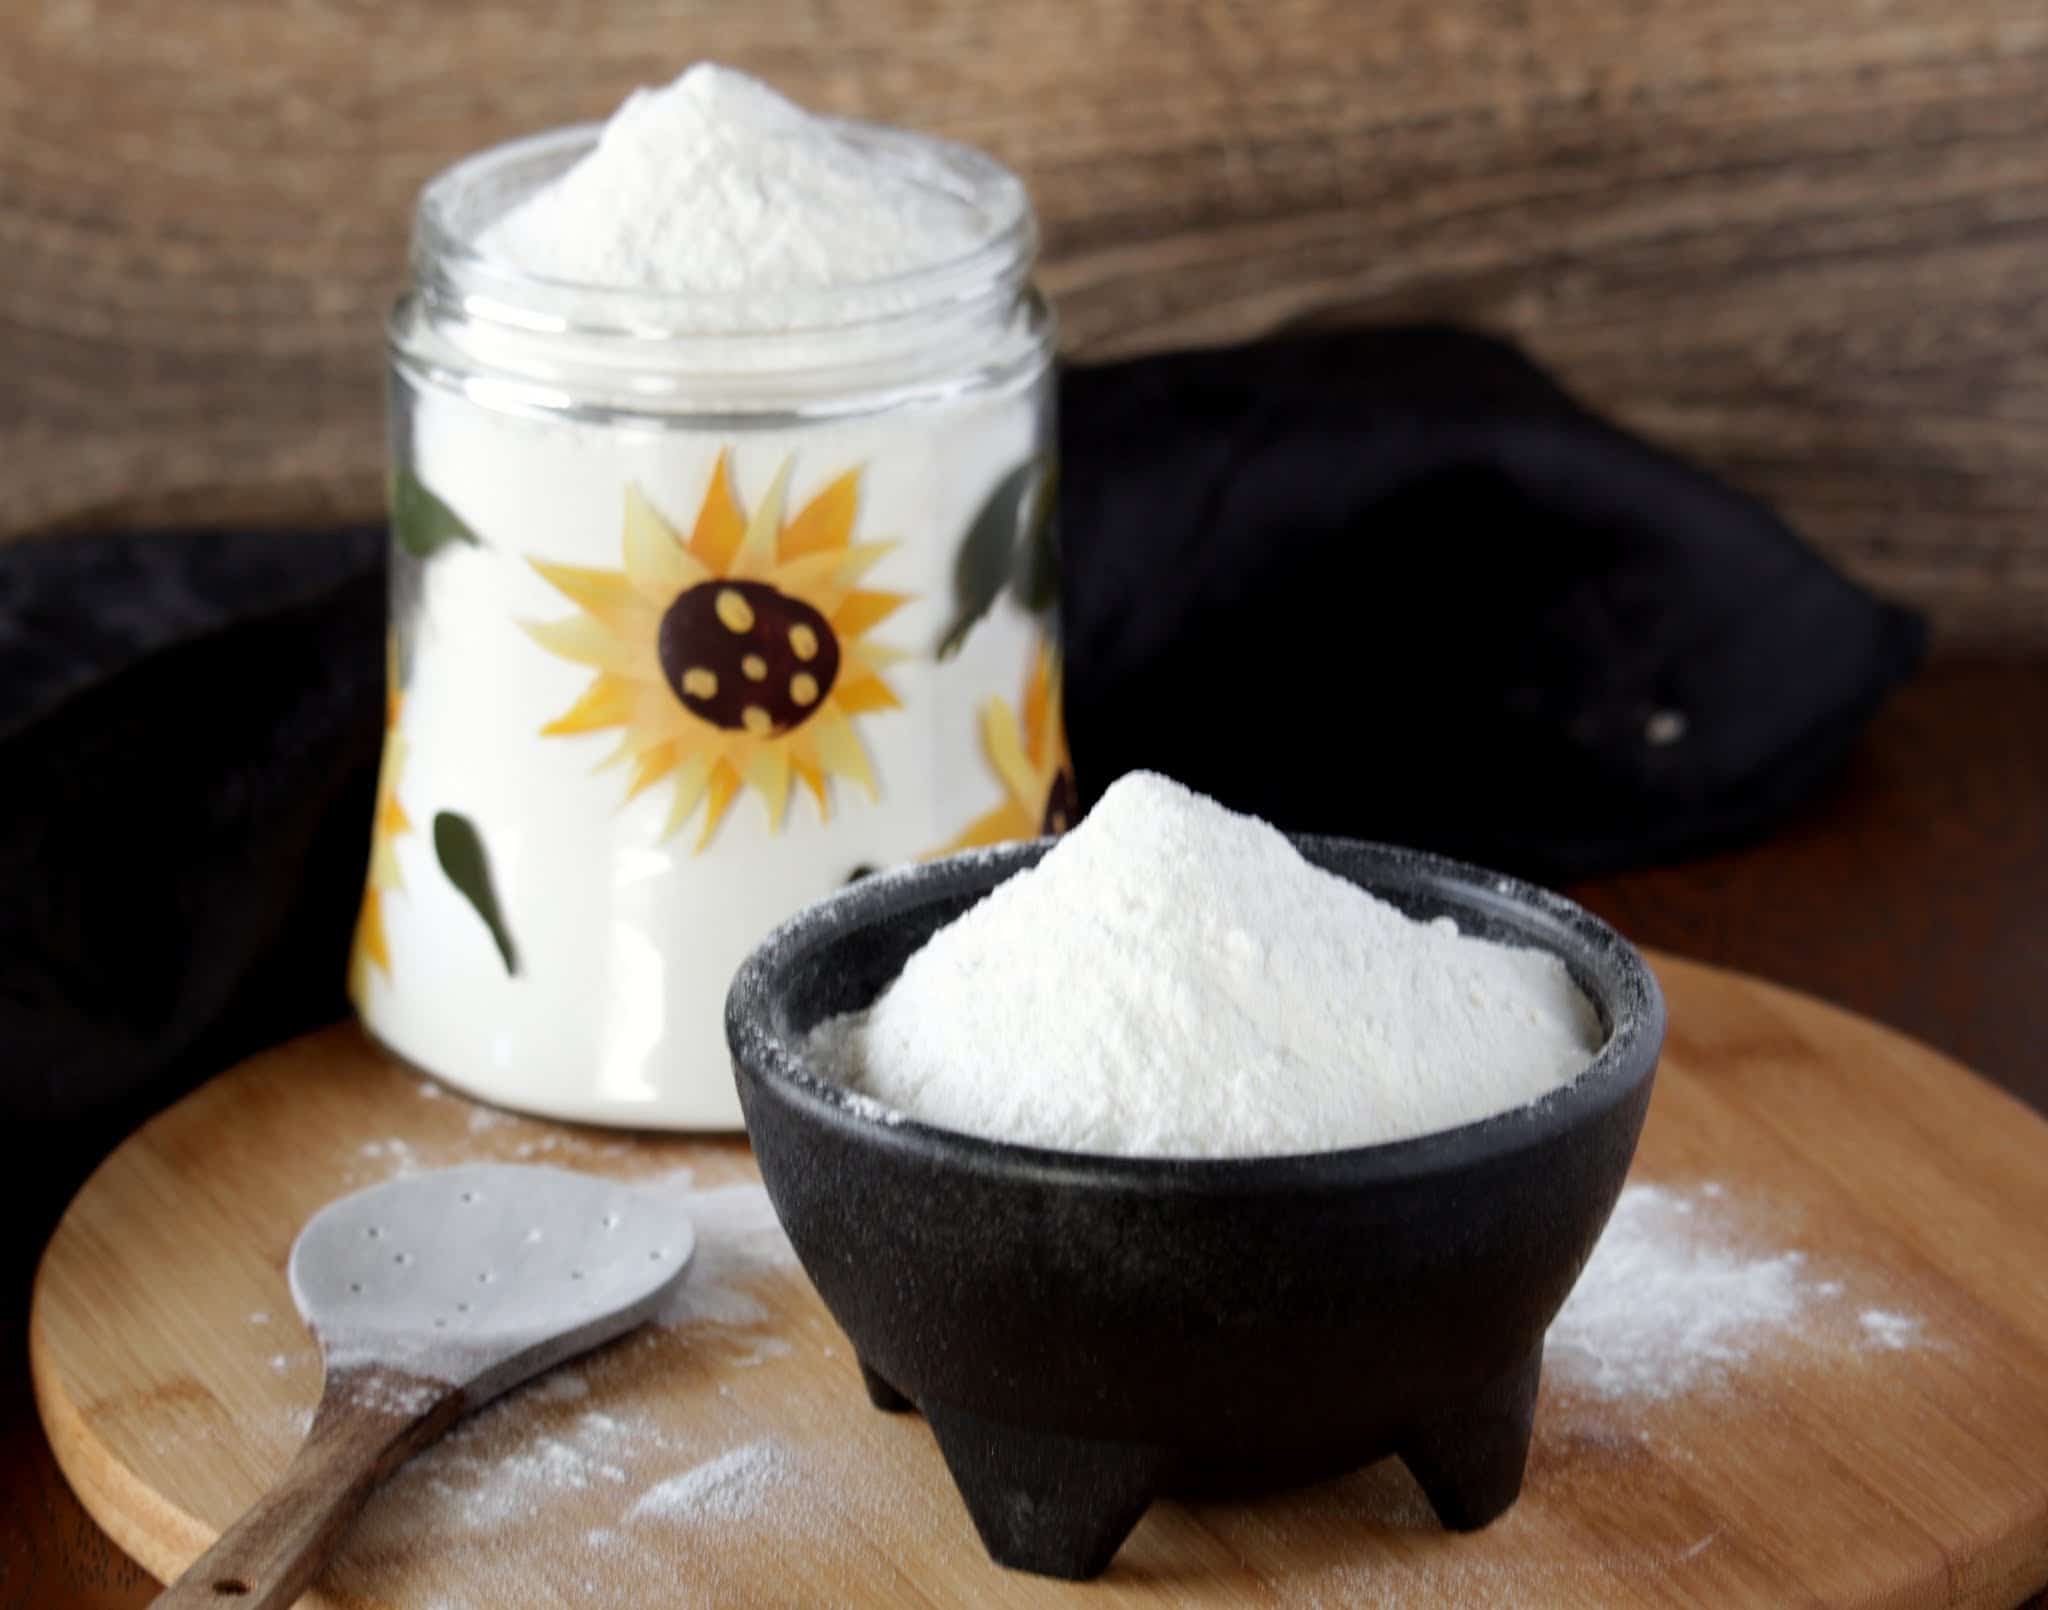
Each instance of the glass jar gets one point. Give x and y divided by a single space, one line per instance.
700 608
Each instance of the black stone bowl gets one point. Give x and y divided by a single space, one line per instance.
1085 1333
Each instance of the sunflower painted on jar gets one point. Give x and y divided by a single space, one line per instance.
370 948
735 658
1027 752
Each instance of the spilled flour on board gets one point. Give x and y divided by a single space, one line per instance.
1671 1300
1682 1291
1889 1329
509 1464
394 1154
1690 1294
728 1488
738 1239
506 1465
588 1485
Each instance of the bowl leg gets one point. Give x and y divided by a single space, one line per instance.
880 1393
1469 1461
1057 1506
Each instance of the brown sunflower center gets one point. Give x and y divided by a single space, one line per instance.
746 657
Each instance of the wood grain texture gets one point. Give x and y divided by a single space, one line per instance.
1836 1475
274 1551
1803 240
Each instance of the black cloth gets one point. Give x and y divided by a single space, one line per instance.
1394 584
1397 584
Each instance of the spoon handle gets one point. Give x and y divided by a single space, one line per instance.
370 1421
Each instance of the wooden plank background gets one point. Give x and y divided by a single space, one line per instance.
1803 240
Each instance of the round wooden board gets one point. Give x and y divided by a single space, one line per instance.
733 1460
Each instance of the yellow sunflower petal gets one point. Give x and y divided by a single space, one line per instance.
652 765
767 768
653 718
839 749
868 657
1041 700
823 580
720 525
604 594
863 611
624 750
1004 744
393 696
371 943
658 566
690 784
607 702
385 874
826 521
725 782
755 556
585 640
865 694
805 764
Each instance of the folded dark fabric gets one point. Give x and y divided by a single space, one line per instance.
75 610
182 848
1395 584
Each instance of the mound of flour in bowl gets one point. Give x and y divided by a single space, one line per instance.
1174 980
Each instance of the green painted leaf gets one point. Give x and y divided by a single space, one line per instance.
1036 583
460 850
421 522
987 557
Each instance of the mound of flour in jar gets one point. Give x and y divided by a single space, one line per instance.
715 184
1174 980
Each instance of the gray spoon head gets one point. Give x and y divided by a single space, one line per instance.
484 1275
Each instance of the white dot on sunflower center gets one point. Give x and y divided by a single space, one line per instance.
757 721
803 687
700 682
804 641
754 668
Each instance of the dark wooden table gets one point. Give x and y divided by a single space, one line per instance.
1914 890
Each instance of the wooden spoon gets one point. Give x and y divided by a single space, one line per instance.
429 1296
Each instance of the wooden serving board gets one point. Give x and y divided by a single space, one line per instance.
734 1460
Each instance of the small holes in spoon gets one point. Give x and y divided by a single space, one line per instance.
401 1257
611 1221
374 1233
469 1196
462 1308
575 1274
355 1288
485 1277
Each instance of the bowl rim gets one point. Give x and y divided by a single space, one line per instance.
1626 1059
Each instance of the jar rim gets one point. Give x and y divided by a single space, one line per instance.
447 263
